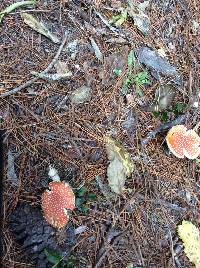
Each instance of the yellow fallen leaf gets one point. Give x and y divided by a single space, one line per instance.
190 236
120 166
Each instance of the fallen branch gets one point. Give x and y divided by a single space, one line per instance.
179 120
19 88
51 77
41 74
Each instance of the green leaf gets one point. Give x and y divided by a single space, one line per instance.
52 256
131 59
164 117
139 91
84 208
156 114
81 192
126 82
118 20
141 78
124 90
91 196
12 7
197 160
179 107
117 72
70 263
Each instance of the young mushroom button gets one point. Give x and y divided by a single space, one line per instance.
56 202
183 142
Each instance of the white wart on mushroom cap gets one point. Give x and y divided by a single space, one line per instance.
56 202
183 142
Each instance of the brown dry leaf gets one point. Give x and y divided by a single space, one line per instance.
81 95
141 20
117 60
97 51
163 99
61 67
120 166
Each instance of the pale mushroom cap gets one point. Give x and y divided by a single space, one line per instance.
56 202
183 143
175 140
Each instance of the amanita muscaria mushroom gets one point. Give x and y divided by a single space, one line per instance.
183 142
56 202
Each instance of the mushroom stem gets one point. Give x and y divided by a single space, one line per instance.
53 174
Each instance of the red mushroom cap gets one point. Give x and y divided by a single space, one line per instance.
175 140
192 149
56 202
183 142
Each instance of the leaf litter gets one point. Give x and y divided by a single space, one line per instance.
39 27
120 165
14 6
11 173
84 122
157 64
164 97
136 11
97 51
141 20
81 95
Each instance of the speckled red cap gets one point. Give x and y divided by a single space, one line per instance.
56 202
183 142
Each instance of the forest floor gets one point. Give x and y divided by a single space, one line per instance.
109 91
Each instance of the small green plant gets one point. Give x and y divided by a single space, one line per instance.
57 261
138 80
163 116
176 110
83 198
117 72
179 108
119 19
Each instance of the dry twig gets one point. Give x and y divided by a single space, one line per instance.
39 75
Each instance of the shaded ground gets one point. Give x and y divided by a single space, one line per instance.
43 127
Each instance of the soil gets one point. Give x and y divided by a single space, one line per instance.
42 126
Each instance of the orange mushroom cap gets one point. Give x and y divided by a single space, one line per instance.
192 150
183 142
175 140
56 202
